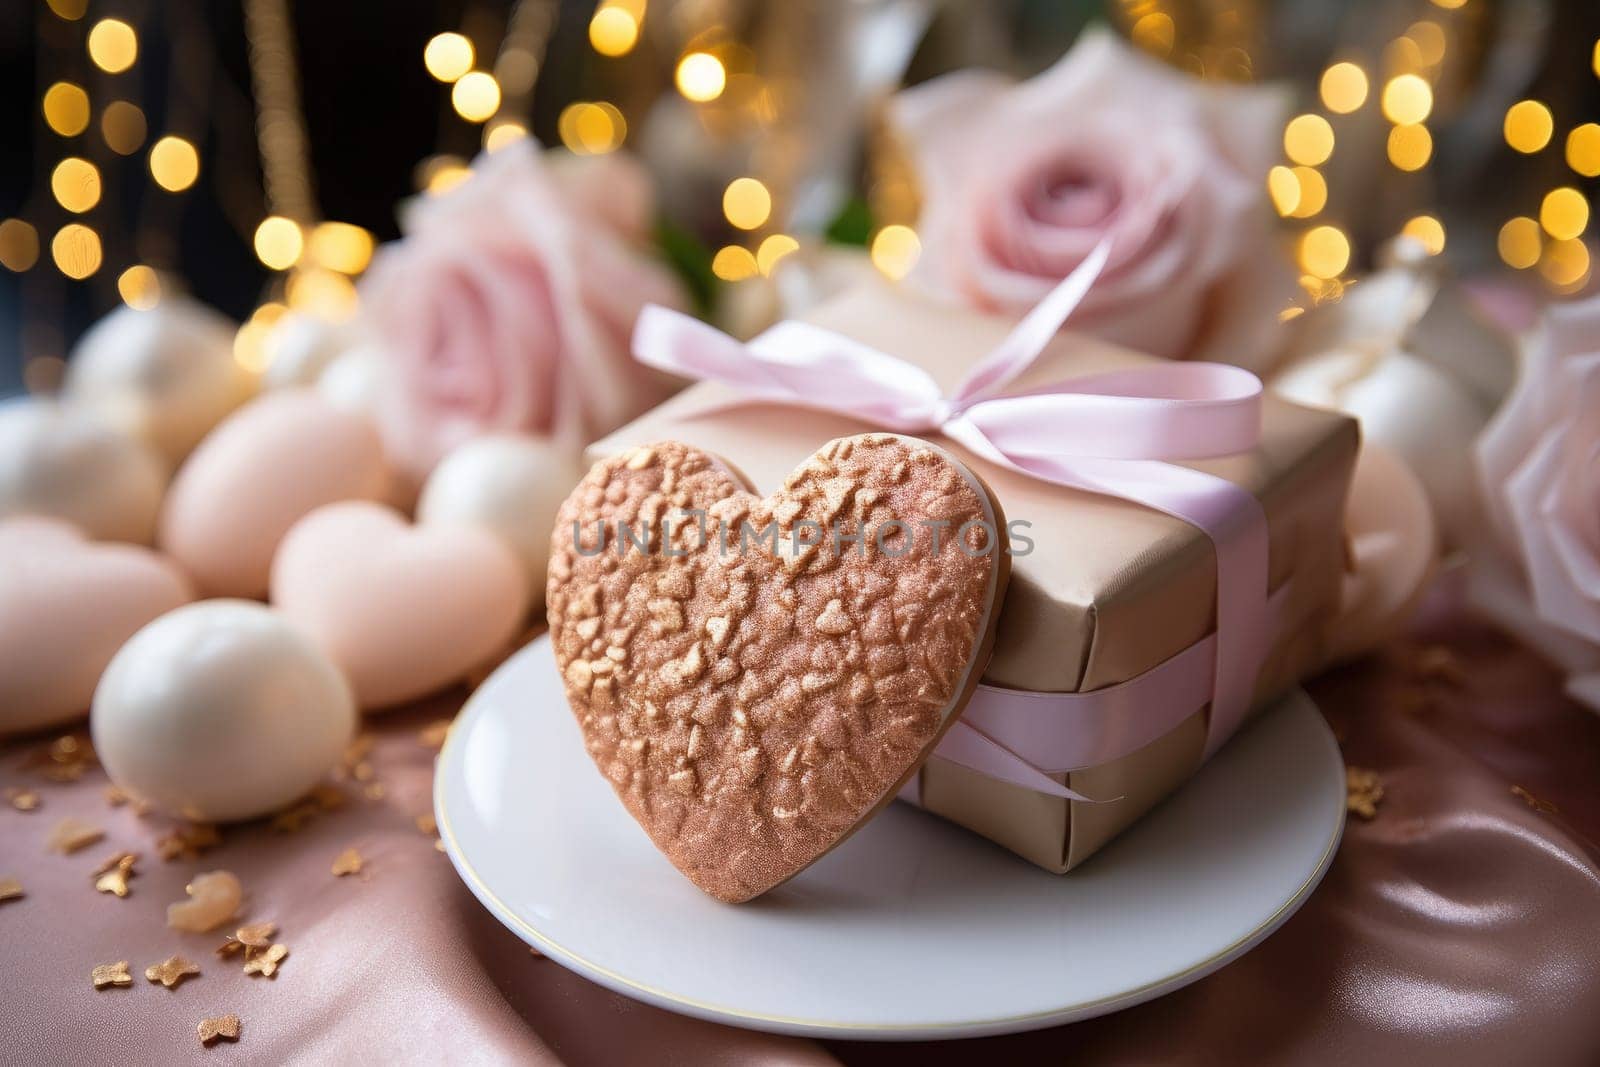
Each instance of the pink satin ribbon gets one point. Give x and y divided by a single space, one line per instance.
1113 434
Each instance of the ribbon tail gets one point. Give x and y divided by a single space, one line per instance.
969 747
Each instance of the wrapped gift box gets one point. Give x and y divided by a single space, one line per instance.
1111 589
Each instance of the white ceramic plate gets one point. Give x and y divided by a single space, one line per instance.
913 928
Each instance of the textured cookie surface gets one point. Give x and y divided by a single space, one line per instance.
752 696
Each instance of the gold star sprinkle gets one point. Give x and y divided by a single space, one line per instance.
171 971
188 841
69 835
111 974
433 735
347 862
113 873
1543 807
427 823
252 937
214 898
1363 792
222 1028
10 889
116 796
357 751
265 963
23 799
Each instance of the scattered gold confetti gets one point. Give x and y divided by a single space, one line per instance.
374 791
115 796
66 758
362 771
1543 807
357 750
1437 663
1363 792
438 844
214 898
222 1028
188 841
113 873
328 797
249 938
111 974
291 819
265 963
69 835
171 971
427 823
433 735
347 862
23 799
10 889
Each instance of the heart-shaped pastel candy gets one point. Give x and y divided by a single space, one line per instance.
66 605
757 676
404 610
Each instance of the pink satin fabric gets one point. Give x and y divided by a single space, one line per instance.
1116 434
1459 927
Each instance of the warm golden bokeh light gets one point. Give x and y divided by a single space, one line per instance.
1308 140
516 70
123 127
499 134
140 287
613 31
66 109
1429 39
324 293
1565 264
1449 5
1528 126
591 128
174 164
1410 147
734 264
701 77
446 176
279 242
1155 33
1595 59
1344 88
1407 100
746 203
1520 242
1324 252
1428 230
341 246
19 245
773 249
71 10
895 250
1313 192
1564 214
476 96
1284 189
75 183
1583 150
448 56
113 45
76 251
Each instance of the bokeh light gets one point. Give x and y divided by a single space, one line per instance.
476 96
279 242
1284 189
75 183
1564 213
140 287
1155 32
1410 147
448 56
1324 252
324 293
66 109
701 77
1308 140
1407 100
446 175
591 128
1429 39
734 264
76 251
1449 5
19 245
174 164
499 134
773 249
895 250
1528 126
1313 192
746 203
1583 150
341 246
613 31
113 46
71 10
1520 242
123 127
1344 88
1565 264
1427 230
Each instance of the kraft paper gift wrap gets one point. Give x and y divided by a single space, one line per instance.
1110 589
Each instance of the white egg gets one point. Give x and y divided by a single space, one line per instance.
66 463
301 346
353 379
220 710
166 375
512 485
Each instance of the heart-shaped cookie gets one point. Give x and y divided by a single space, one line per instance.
757 676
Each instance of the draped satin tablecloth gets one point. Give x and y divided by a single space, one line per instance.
1460 925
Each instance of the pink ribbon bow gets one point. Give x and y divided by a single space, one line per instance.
1113 434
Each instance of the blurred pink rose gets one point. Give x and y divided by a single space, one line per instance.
1540 464
1021 181
509 303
